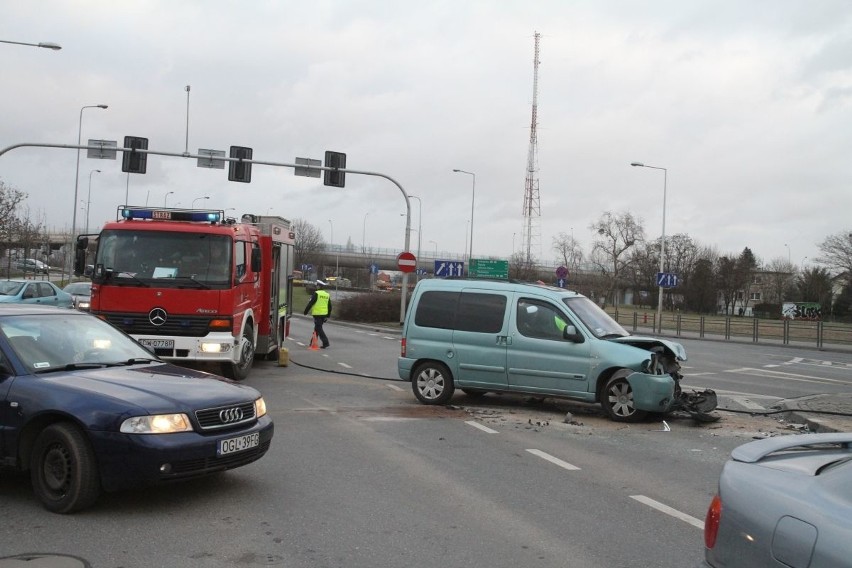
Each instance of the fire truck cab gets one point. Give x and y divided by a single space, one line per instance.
192 285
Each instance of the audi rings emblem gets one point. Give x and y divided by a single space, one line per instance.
230 415
158 316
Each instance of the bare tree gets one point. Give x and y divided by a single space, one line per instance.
778 278
10 200
568 250
837 253
309 242
616 235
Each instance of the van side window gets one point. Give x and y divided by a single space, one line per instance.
437 309
483 313
539 320
468 311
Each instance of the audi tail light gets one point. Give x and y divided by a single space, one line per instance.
711 522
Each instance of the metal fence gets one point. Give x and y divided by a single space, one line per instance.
817 334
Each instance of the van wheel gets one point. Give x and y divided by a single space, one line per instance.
617 400
432 383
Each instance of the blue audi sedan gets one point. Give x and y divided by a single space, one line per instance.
85 409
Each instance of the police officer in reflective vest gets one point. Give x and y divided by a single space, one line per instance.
320 308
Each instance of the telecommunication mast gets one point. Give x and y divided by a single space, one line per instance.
531 233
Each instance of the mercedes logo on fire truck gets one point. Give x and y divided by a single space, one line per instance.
158 316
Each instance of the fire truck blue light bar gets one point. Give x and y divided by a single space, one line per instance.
195 215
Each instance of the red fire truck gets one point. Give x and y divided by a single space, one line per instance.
192 285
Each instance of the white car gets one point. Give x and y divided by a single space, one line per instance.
31 265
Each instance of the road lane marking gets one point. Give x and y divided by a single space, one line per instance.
344 365
485 429
393 387
553 460
669 511
786 376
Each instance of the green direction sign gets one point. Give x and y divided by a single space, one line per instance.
489 268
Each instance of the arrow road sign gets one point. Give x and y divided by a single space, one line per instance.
666 279
448 268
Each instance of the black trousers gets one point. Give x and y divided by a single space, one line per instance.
318 321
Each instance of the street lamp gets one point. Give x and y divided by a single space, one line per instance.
364 235
336 258
196 199
789 261
45 44
166 198
77 177
419 223
89 199
472 199
662 243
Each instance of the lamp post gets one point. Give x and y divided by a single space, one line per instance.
336 258
419 223
166 198
364 235
89 199
472 199
77 177
662 243
45 44
789 261
197 198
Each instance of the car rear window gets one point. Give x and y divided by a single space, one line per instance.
468 311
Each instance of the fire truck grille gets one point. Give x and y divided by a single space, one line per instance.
181 326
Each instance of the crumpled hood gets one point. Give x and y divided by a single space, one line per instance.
156 387
674 348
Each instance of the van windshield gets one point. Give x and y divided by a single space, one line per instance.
594 318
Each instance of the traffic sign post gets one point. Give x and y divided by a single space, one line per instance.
489 268
448 269
406 262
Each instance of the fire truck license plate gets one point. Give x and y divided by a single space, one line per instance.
158 343
238 444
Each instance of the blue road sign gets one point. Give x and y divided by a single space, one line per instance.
374 269
448 268
307 267
561 282
666 279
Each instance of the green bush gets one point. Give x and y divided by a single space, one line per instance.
375 307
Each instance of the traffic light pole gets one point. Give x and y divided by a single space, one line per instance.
258 162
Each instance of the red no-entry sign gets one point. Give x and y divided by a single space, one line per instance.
406 262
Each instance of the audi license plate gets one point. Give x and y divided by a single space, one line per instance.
238 444
158 343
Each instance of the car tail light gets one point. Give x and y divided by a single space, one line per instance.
402 347
711 522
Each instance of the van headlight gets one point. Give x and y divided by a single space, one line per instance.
157 424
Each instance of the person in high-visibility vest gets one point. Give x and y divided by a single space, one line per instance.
320 307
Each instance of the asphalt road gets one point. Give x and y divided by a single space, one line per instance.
361 475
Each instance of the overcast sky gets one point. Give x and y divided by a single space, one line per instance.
747 104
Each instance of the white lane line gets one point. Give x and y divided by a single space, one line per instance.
485 429
669 511
393 387
770 366
702 374
786 376
344 365
553 460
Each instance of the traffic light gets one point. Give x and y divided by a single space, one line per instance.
135 162
334 160
240 171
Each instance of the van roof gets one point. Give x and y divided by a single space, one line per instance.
486 284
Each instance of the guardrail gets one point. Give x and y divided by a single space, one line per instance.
819 334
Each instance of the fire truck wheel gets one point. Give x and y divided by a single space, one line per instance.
239 371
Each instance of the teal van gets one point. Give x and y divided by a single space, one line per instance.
497 336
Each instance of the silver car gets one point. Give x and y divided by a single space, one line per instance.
81 292
783 501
